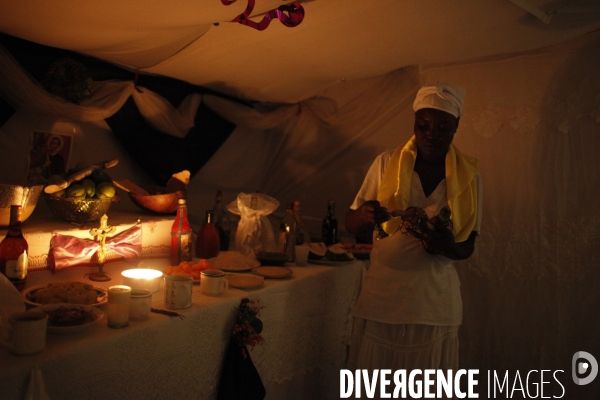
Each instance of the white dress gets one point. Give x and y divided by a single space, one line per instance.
410 307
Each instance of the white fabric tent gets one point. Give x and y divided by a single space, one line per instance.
347 75
337 40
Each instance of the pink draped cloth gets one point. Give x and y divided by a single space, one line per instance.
69 251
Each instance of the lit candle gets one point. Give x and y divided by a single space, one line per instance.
142 278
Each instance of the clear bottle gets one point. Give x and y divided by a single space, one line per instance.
181 235
207 242
330 225
13 251
302 235
287 233
221 221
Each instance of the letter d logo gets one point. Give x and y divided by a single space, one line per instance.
580 368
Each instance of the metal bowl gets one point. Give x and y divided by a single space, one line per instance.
165 203
26 196
81 211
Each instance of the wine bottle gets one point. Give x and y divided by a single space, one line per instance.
207 242
330 225
13 250
221 221
287 233
181 235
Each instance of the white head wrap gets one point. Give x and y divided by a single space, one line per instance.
444 97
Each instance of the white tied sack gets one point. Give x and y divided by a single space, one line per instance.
254 232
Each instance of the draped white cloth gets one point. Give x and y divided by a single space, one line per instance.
20 90
307 325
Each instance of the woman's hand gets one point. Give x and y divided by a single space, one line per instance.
365 217
373 213
441 241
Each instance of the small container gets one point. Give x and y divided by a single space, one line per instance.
213 282
117 310
178 291
141 301
25 332
302 255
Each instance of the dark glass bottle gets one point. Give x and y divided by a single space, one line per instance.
207 242
442 220
13 251
181 235
221 221
287 233
330 225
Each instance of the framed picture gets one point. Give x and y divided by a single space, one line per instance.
49 155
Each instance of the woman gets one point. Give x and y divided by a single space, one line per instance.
409 309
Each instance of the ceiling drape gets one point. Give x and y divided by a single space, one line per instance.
161 137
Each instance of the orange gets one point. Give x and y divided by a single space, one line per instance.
204 264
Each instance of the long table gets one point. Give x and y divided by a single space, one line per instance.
307 323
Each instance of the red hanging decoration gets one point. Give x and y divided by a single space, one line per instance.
290 15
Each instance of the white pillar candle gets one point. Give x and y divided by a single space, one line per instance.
119 299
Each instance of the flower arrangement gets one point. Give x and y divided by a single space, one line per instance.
248 326
68 79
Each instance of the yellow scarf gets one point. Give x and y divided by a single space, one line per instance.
461 188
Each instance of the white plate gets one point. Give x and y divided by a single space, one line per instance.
93 314
28 296
272 272
329 262
244 281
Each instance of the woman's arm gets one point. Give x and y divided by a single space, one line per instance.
361 220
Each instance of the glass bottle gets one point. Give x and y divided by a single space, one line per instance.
207 242
13 250
181 235
302 235
442 220
330 225
287 233
221 221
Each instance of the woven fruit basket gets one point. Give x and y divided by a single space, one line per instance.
81 211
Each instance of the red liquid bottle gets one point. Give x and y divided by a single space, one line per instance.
13 251
181 235
208 242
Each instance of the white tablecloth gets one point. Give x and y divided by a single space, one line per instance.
307 324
